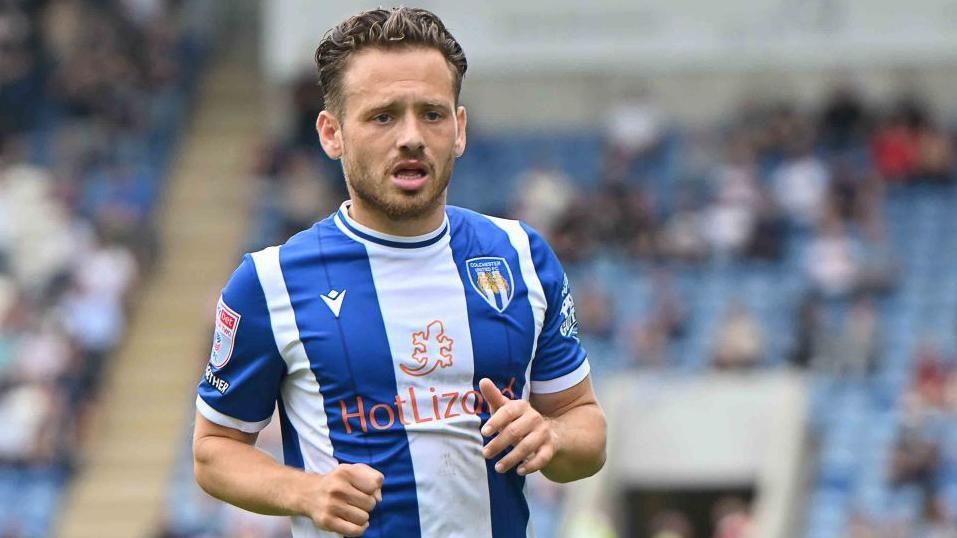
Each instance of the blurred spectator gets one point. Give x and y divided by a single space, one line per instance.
682 236
801 184
307 100
739 342
730 220
306 195
648 344
594 311
895 148
544 194
731 518
671 524
832 264
634 130
935 156
849 350
844 119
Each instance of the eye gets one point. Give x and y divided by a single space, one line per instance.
382 118
433 115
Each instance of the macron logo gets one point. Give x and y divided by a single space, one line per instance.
334 301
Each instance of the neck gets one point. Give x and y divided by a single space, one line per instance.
378 221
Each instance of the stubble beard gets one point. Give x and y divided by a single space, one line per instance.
397 205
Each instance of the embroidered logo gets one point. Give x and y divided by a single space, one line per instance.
492 279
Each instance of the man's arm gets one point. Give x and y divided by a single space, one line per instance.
561 434
229 467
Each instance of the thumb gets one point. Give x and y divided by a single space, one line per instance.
365 478
492 395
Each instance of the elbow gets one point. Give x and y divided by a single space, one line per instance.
600 453
588 462
201 465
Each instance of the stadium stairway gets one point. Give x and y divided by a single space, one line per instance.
129 453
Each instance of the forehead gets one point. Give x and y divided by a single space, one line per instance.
376 74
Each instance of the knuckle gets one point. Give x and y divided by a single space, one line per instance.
514 431
324 520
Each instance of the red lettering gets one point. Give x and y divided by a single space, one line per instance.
388 410
346 415
398 404
415 409
478 402
435 404
448 409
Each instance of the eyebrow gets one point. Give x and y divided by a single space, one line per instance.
395 103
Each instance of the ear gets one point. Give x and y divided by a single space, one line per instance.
330 134
461 120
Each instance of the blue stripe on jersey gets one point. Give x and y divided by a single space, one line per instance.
291 452
557 354
350 356
255 368
480 237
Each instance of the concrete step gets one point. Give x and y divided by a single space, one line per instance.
146 404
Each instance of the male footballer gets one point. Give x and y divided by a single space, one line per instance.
424 358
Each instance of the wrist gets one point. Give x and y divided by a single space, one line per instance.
300 493
555 436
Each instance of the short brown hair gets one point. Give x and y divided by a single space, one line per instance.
383 28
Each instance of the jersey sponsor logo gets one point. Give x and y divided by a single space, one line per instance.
569 325
492 278
415 407
215 381
224 335
430 349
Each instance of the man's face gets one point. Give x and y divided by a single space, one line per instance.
400 132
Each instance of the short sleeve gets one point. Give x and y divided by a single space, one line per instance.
560 361
241 382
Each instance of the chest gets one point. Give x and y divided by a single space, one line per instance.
432 325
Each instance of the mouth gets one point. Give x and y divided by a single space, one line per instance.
410 175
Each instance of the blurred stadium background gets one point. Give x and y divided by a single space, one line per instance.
755 201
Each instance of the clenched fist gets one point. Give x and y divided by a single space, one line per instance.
341 500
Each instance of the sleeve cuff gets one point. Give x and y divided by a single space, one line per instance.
227 421
564 382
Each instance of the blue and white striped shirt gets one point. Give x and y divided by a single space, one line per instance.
373 347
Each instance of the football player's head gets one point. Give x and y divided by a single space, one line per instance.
391 80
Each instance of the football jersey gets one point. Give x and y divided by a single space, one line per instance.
372 347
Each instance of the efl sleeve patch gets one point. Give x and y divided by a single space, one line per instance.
224 335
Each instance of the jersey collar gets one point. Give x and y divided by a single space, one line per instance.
364 234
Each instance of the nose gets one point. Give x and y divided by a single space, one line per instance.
410 138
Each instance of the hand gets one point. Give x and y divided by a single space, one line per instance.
520 426
341 500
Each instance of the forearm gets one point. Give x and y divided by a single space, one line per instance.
579 437
244 476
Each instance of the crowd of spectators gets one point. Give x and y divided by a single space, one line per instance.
90 95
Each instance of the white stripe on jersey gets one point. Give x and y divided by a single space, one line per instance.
450 471
307 416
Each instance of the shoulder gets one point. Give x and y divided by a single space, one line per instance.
461 218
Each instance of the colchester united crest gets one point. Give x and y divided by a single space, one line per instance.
492 279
